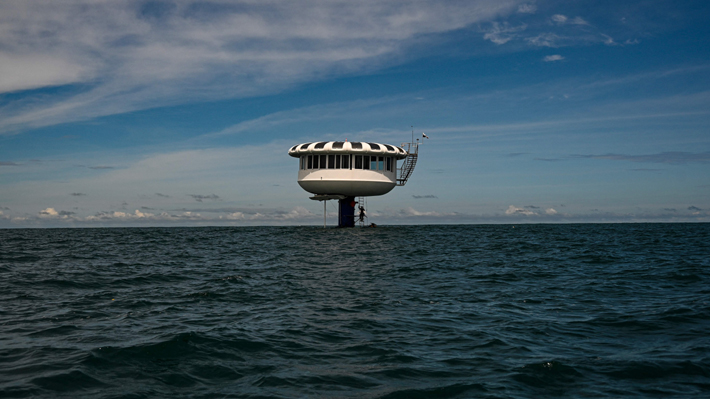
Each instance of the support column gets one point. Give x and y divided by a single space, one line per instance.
346 212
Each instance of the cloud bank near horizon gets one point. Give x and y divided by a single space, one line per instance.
51 217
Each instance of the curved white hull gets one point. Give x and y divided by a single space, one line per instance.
351 183
347 188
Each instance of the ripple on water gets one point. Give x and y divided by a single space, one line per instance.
469 311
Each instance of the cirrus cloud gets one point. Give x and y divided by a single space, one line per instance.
121 56
501 33
555 57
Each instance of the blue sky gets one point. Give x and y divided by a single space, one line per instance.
154 113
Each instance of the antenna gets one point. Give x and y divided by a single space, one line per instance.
412 134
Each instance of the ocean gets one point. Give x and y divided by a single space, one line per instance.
474 311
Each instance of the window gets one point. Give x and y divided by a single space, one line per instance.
374 146
323 161
293 148
373 162
320 145
331 161
389 164
356 145
316 158
304 146
337 162
389 147
338 145
358 161
310 162
303 162
366 162
346 161
381 163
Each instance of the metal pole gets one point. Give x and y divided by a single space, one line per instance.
323 214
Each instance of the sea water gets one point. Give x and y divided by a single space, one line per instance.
481 311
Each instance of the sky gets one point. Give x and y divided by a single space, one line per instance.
181 113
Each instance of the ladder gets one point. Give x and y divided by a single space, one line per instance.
409 162
360 203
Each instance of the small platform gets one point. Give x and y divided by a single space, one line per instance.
327 197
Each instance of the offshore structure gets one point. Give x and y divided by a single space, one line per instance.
344 171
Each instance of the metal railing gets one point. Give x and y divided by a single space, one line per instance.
409 162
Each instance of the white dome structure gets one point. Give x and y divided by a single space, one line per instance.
344 170
347 168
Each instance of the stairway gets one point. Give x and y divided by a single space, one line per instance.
408 166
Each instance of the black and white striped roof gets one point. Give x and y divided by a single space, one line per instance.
346 147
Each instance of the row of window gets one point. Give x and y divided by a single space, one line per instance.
347 161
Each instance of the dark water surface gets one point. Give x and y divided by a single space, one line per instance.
615 310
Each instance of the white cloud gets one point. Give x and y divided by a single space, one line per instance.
531 211
555 57
409 211
298 213
31 71
609 41
545 40
53 213
579 21
513 210
501 33
130 55
140 214
49 212
559 18
549 39
118 216
527 8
